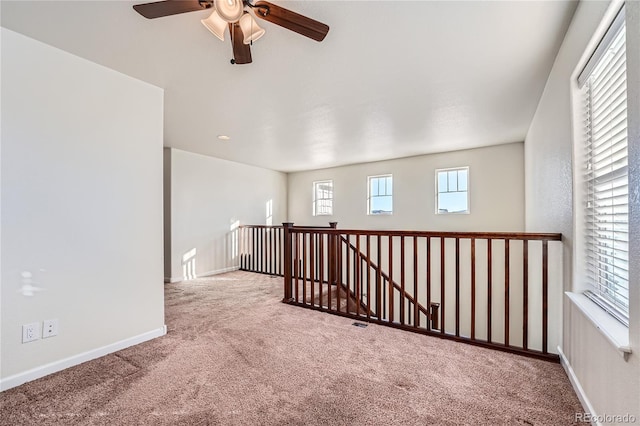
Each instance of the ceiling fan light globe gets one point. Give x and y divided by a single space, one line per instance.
230 10
215 24
250 28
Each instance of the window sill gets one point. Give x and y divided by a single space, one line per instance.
615 332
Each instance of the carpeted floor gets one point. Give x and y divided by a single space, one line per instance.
235 355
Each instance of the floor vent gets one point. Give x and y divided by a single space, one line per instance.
359 324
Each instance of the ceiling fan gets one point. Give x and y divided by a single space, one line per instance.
235 15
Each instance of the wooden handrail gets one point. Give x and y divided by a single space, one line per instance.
438 234
363 257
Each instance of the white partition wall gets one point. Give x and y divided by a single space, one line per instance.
81 208
210 198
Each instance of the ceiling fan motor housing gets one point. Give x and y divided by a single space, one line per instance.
230 10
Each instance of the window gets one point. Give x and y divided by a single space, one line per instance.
323 198
452 190
380 199
605 173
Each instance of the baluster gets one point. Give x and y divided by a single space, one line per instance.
473 288
545 295
457 287
525 294
379 279
358 270
506 292
489 248
430 318
272 269
296 272
402 290
416 311
384 297
347 268
391 289
304 267
321 266
312 277
368 243
241 248
442 279
254 256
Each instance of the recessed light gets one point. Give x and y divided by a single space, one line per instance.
224 137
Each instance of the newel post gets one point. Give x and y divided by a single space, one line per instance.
288 261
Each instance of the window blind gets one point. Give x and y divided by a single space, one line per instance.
606 173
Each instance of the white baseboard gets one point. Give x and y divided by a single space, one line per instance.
220 271
173 280
53 367
577 387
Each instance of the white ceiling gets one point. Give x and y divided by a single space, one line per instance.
392 79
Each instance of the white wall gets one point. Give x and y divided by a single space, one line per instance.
81 207
607 382
496 189
208 195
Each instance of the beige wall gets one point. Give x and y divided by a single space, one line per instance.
81 208
496 185
608 384
208 195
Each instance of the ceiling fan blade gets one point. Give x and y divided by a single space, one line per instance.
290 20
159 9
241 51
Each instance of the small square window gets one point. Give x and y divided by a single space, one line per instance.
323 198
452 191
380 199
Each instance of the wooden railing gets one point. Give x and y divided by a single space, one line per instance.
489 289
431 315
261 249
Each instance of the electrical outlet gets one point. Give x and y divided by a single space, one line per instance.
30 332
49 328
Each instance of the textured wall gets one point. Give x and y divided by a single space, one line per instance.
610 383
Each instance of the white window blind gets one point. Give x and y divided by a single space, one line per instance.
606 173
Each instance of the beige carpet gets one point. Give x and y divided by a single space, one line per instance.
235 355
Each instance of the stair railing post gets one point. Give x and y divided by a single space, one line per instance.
288 261
434 315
